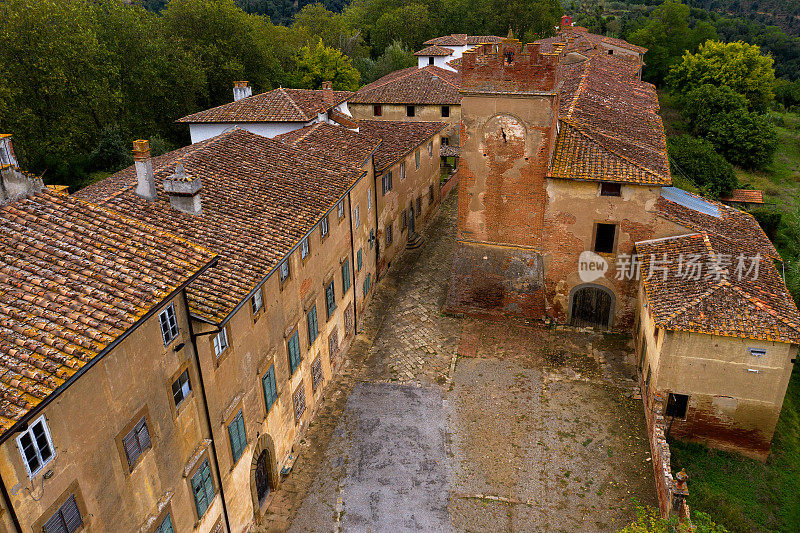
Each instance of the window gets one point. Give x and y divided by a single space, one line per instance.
430 149
377 110
203 488
35 446
345 276
604 238
169 324
611 52
610 189
220 342
237 435
676 405
66 520
445 141
445 111
367 284
349 322
323 227
316 374
313 327
359 260
386 180
284 268
369 199
417 159
402 171
430 61
371 238
270 388
304 249
357 216
299 401
340 210
403 220
165 526
757 352
430 194
419 206
330 299
333 345
410 111
257 301
181 388
389 235
136 442
293 347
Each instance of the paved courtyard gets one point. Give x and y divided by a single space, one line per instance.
437 423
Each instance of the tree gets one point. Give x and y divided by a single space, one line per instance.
410 24
395 57
745 139
318 63
665 34
738 65
701 106
697 160
332 29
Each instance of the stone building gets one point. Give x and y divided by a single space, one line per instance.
270 113
566 208
102 422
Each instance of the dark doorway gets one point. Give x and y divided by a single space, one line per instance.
412 226
262 476
591 306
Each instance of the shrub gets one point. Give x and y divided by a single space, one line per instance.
695 159
768 219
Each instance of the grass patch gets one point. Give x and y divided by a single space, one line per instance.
744 494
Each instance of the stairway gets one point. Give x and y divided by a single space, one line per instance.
414 241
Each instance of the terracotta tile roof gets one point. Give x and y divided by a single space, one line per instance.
729 301
260 198
447 150
747 196
607 114
398 138
334 143
278 105
74 278
621 43
455 39
734 225
434 50
455 63
480 39
430 85
345 120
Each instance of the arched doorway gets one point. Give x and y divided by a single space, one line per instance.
591 305
263 473
262 477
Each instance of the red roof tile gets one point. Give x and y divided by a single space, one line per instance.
260 198
455 39
745 196
724 298
278 105
398 138
75 277
335 143
430 85
434 50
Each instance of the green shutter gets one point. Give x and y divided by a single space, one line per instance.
359 261
313 328
270 388
238 436
294 352
203 489
330 298
345 276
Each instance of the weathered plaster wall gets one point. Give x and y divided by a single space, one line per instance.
135 378
422 113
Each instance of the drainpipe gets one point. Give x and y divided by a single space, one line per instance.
11 510
353 263
377 240
193 338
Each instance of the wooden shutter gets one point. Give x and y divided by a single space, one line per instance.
131 446
270 387
72 516
143 435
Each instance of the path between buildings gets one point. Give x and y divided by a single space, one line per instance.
437 423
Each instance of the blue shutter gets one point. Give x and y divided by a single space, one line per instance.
359 261
200 487
313 328
270 388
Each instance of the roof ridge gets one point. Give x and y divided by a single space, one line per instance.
291 100
444 79
390 80
763 306
678 312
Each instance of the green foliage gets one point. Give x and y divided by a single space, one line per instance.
113 152
769 220
410 24
332 29
696 160
317 63
788 94
648 520
745 139
396 57
738 65
703 105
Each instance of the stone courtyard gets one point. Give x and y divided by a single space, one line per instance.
440 423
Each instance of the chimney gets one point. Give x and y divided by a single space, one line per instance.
327 94
145 181
241 90
7 157
184 192
14 182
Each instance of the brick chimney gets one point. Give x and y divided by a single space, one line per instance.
327 94
145 181
241 90
184 192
